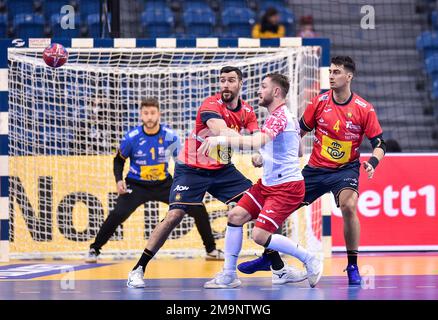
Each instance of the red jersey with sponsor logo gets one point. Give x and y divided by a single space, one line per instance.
339 128
240 119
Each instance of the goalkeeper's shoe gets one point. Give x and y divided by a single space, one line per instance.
260 264
215 255
135 278
223 280
288 274
354 278
92 256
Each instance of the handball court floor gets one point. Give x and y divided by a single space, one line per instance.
389 276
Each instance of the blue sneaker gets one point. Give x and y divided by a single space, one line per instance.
354 278
260 264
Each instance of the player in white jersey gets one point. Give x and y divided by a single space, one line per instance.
274 197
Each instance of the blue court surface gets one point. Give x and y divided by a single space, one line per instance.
396 276
329 288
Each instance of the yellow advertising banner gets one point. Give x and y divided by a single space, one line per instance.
59 202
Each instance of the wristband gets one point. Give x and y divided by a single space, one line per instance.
373 161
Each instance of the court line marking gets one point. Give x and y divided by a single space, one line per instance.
29 292
269 289
153 290
233 289
110 291
387 287
69 291
425 287
190 290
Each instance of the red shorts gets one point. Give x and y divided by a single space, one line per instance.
272 205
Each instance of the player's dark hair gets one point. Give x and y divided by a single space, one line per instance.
150 102
344 61
229 69
280 80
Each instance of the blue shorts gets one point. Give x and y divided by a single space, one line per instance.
190 185
322 180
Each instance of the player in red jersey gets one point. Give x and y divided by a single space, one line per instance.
340 119
215 108
224 114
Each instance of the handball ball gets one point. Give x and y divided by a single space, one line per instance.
55 55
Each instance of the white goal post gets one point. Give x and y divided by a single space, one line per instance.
62 127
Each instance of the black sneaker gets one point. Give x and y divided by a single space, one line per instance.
92 256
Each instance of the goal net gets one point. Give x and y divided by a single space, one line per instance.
65 126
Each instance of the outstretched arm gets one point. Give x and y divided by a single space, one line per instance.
253 142
218 127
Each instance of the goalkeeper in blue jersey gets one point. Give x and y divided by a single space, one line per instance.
149 147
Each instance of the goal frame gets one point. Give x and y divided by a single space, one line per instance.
159 43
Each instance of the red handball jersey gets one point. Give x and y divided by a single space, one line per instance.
339 128
240 119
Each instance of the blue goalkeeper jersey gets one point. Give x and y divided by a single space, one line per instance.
149 154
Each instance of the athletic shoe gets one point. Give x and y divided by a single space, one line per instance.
314 269
260 264
215 255
92 256
354 278
224 280
135 278
288 274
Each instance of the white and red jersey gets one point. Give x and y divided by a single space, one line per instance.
281 162
240 119
339 128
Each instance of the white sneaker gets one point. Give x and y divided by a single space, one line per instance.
288 274
224 280
135 278
215 255
91 256
314 269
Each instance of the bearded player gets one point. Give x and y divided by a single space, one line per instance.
340 119
223 114
274 197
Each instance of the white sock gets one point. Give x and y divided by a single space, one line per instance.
233 245
282 244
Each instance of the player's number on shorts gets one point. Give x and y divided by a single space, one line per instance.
152 151
336 126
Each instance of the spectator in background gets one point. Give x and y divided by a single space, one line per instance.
392 146
270 26
306 27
